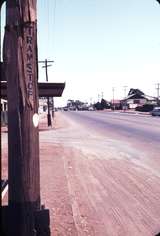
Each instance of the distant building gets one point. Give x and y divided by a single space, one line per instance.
116 104
76 105
42 105
137 98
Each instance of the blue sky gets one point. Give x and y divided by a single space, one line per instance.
100 44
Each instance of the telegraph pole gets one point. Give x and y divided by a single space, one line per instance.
1 64
98 98
22 215
158 89
102 95
113 89
125 103
45 62
1 2
125 87
48 103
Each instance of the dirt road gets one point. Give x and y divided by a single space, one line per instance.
92 187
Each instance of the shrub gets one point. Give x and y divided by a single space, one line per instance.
145 108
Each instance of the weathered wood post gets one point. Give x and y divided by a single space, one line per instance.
1 64
52 108
20 61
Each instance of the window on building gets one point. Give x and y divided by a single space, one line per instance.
136 101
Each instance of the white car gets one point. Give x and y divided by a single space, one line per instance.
90 109
155 111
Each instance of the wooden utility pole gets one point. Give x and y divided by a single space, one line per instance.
125 88
1 64
46 66
1 2
48 102
20 62
113 89
158 89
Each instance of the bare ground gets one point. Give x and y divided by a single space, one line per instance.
94 191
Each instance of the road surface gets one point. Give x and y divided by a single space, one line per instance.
100 174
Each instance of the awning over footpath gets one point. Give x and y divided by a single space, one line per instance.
45 89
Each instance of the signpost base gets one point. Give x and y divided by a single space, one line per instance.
39 221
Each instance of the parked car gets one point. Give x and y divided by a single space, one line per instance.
72 108
65 108
90 108
155 111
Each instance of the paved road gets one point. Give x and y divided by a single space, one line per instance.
104 174
139 134
121 125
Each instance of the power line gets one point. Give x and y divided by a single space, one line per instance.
54 21
48 23
50 12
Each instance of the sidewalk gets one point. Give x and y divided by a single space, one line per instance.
54 186
53 179
135 112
